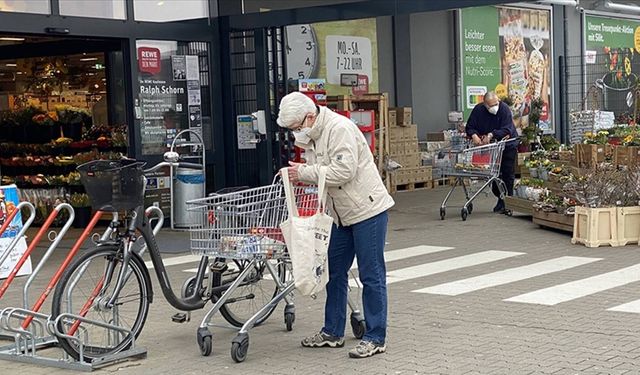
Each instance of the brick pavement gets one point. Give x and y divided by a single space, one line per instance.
473 333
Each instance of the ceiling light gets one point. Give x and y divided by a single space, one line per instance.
89 59
571 3
622 7
11 39
11 65
19 73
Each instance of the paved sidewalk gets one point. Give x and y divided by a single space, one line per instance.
492 295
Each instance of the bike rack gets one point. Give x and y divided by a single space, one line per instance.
28 338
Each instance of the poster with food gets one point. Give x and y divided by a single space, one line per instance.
506 50
12 221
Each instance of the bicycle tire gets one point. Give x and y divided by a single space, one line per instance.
233 318
139 276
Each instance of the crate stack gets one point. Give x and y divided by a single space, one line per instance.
404 150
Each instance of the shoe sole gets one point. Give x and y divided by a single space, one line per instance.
378 350
325 344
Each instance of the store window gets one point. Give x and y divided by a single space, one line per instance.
172 93
170 10
113 9
25 6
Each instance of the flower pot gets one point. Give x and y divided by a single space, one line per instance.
534 172
616 99
543 174
521 192
82 218
595 227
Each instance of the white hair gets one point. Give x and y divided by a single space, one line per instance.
293 108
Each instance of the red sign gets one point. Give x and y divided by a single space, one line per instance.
363 85
149 60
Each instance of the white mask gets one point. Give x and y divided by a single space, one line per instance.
302 136
493 110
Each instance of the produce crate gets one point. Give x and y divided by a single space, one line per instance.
626 155
521 205
589 156
553 220
628 220
595 227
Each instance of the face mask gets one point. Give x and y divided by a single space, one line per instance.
302 136
493 110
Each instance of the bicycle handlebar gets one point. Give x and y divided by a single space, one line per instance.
169 164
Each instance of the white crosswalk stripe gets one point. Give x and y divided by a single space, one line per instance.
507 276
580 288
630 307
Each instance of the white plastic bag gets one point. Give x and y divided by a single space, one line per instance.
307 239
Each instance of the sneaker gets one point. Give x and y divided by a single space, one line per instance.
367 349
500 207
322 339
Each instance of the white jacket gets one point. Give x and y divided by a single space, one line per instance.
356 191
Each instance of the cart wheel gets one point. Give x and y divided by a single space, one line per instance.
443 213
470 208
289 318
464 213
239 348
205 341
358 327
508 212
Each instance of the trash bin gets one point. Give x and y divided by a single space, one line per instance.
189 184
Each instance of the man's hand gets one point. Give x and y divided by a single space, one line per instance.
293 172
476 140
487 139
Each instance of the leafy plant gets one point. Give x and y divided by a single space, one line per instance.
618 63
79 200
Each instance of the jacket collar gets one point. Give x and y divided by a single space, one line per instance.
319 125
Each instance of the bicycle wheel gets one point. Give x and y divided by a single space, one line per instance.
84 288
253 294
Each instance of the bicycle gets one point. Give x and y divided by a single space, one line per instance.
111 284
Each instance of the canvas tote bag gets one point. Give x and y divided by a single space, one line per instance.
307 239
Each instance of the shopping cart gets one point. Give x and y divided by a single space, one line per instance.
481 163
244 226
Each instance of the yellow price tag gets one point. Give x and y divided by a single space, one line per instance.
636 39
501 91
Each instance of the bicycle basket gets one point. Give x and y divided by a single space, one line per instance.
113 185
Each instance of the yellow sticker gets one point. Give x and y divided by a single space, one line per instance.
627 65
501 91
636 39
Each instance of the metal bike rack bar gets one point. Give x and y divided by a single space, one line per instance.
25 226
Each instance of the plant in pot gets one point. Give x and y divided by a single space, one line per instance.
72 120
82 207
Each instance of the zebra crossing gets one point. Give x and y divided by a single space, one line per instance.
568 290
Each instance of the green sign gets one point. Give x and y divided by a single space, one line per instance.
507 50
603 32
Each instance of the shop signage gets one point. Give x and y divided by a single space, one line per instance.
363 85
347 55
507 50
612 48
149 60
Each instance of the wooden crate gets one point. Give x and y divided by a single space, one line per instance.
628 221
521 205
410 179
553 220
589 156
339 102
595 227
410 187
626 155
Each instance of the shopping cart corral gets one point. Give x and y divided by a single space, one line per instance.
478 164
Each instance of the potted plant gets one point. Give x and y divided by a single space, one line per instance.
82 207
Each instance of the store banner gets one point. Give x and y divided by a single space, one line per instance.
327 49
507 50
8 202
612 63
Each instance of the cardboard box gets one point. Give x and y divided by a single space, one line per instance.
404 115
407 160
410 132
392 118
396 134
410 175
435 137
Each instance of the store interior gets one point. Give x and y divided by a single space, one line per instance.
56 113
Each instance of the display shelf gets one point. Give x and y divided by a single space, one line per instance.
516 204
553 220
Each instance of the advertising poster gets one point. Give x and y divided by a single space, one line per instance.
507 50
612 63
325 50
8 202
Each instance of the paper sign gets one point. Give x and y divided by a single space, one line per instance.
348 55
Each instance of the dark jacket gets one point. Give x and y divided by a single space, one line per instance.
481 122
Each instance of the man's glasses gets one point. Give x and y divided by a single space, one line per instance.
299 127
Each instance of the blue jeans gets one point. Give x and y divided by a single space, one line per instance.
365 241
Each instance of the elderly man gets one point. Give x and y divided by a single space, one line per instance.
491 120
358 202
